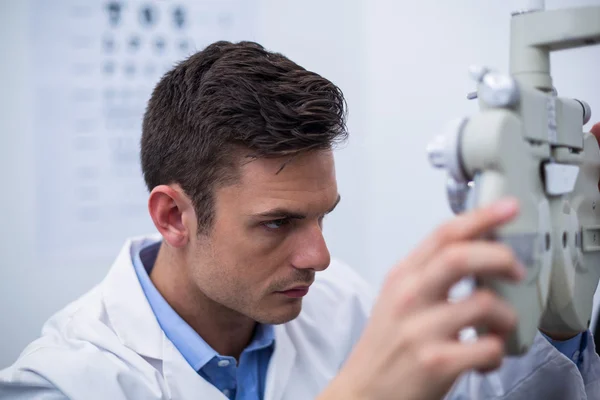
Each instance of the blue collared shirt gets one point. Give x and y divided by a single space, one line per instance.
243 381
572 348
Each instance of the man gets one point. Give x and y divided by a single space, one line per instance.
238 297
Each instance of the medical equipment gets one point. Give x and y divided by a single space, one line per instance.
528 142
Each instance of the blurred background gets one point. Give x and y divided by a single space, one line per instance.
75 76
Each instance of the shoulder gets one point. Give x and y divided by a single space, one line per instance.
78 371
22 384
79 356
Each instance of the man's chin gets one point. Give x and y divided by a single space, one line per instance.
282 314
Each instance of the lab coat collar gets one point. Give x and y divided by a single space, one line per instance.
185 383
127 307
135 324
282 362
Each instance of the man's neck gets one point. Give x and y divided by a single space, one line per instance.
226 331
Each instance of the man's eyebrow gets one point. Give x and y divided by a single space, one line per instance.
280 213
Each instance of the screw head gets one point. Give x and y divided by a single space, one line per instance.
498 90
444 150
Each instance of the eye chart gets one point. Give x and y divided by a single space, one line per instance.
94 65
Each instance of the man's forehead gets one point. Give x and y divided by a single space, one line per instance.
316 167
307 183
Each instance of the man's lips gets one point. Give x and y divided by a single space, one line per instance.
295 292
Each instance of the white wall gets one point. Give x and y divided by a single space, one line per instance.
328 41
28 292
332 43
418 53
403 69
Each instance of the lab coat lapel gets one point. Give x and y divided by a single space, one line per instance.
128 310
595 326
136 326
183 382
280 367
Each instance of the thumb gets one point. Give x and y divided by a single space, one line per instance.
596 130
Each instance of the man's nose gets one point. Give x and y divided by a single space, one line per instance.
311 251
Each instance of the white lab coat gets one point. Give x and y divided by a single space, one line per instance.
596 310
108 345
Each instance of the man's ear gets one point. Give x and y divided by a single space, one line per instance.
168 207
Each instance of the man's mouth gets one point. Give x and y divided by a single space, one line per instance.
295 292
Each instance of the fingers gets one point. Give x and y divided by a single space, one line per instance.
480 259
433 334
445 355
596 130
485 354
453 358
482 309
477 222
463 227
431 283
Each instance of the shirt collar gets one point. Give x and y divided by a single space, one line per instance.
264 336
191 345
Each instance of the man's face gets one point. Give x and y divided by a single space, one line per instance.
266 241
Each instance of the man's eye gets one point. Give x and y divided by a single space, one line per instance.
276 224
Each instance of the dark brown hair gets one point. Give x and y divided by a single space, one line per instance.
233 96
